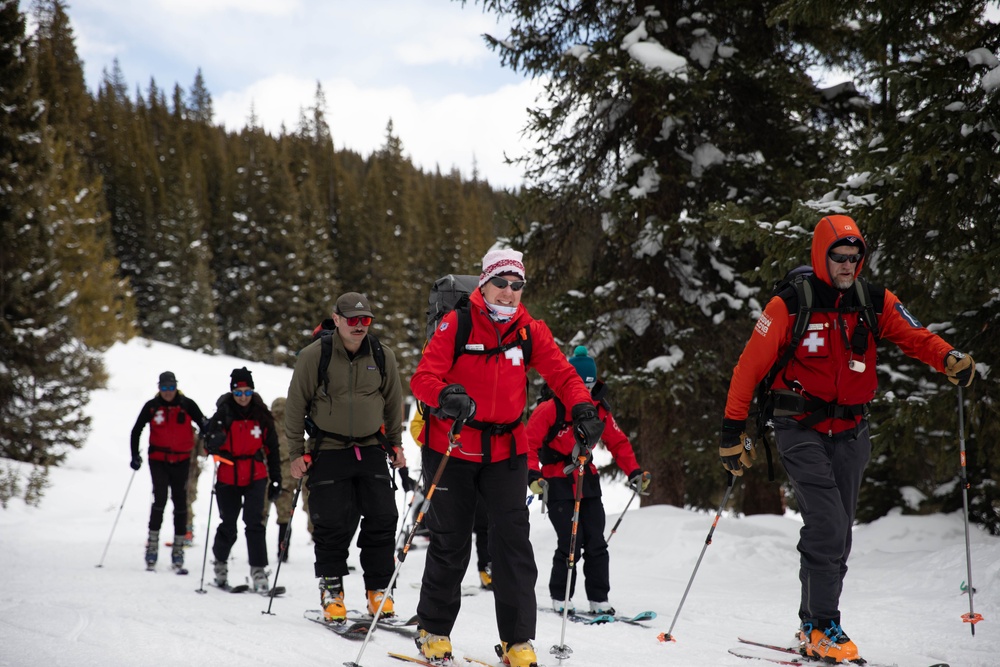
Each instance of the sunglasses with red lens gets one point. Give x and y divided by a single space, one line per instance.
363 320
840 258
502 283
238 393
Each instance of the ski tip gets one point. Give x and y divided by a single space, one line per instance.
665 637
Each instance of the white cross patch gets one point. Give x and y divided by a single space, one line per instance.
159 418
255 431
813 341
515 355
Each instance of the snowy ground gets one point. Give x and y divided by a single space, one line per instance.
902 603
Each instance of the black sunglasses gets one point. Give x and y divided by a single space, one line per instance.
502 283
840 258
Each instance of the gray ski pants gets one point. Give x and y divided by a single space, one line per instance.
826 473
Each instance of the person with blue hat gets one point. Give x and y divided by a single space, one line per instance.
550 449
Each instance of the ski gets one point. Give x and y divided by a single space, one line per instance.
447 662
637 619
400 626
150 567
799 659
179 570
348 629
766 658
579 617
241 588
273 593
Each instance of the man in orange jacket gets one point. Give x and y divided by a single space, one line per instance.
482 381
820 422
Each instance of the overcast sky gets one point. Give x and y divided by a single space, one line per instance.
422 63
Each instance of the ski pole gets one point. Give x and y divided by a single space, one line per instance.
560 650
208 527
666 636
283 548
614 528
972 617
117 516
456 428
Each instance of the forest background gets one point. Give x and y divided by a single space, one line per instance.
684 153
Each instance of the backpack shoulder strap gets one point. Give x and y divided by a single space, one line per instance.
326 352
464 327
868 313
378 353
558 425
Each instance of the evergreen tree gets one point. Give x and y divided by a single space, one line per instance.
46 376
923 185
101 310
663 123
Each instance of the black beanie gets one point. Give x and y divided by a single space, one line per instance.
240 376
167 377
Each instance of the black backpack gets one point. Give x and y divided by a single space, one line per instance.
451 292
796 284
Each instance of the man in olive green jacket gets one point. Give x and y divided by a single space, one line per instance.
354 419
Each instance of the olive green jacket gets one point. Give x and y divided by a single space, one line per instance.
359 401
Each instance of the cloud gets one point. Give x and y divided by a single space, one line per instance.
454 131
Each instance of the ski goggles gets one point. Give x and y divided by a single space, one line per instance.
503 283
840 258
168 387
363 320
242 392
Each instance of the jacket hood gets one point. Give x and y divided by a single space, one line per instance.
829 231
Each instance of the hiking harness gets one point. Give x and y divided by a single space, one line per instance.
522 339
788 403
326 353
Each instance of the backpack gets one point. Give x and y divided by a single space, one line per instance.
546 454
796 283
451 292
325 332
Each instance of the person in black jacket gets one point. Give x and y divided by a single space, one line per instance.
243 437
170 415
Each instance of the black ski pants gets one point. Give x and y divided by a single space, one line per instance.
826 473
503 490
348 486
170 477
589 541
481 527
231 499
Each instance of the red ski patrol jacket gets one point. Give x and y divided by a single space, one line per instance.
496 382
171 436
819 368
551 463
250 441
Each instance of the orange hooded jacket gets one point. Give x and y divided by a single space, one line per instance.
819 367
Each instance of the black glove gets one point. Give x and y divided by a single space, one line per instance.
736 448
136 462
454 403
960 368
274 490
214 439
587 427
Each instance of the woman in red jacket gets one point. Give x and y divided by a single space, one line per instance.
242 433
821 423
550 449
481 380
170 415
